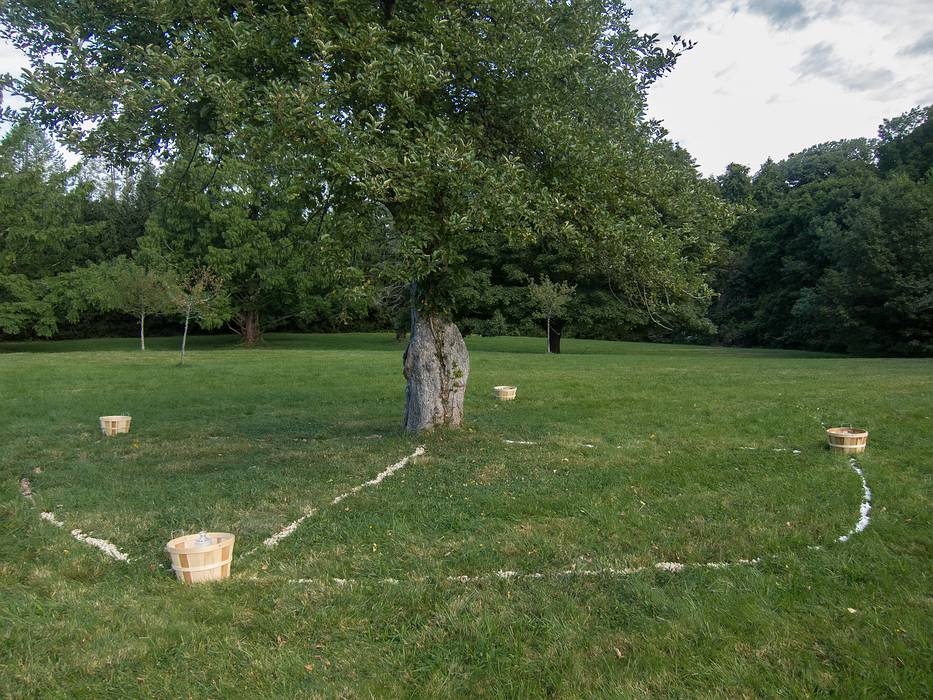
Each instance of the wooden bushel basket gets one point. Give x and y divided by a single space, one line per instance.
112 425
505 393
847 440
193 563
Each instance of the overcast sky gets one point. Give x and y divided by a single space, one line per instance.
771 77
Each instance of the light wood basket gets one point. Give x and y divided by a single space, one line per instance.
196 563
847 440
505 393
113 425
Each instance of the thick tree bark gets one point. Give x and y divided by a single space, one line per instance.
437 367
250 331
554 328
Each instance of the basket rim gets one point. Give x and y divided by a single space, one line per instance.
226 538
847 432
505 386
114 418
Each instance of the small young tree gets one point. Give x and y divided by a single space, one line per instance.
200 295
137 290
549 301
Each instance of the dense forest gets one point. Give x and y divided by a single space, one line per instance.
831 249
834 250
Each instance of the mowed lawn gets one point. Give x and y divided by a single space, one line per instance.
640 454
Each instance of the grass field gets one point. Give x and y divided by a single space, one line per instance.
640 454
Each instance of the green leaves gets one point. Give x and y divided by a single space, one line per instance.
448 131
550 299
837 255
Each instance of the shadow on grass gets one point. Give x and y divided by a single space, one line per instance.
206 343
386 342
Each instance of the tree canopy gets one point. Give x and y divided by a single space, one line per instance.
471 123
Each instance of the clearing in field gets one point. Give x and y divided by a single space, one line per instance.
581 540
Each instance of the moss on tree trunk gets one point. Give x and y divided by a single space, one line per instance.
437 367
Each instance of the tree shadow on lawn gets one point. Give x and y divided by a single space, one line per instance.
386 342
522 345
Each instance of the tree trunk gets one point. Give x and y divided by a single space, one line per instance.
437 366
250 331
184 336
554 329
142 331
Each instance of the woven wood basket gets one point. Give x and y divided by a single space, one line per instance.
505 393
193 563
847 440
112 425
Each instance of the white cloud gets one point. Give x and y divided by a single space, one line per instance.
772 77
822 61
922 47
793 14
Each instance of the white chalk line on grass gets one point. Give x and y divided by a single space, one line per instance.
775 449
289 529
670 566
384 474
106 547
274 540
503 575
864 509
111 550
530 442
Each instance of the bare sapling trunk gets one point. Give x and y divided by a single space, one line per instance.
553 335
142 330
184 335
437 367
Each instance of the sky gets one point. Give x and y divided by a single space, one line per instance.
768 78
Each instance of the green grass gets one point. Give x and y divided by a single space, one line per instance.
246 441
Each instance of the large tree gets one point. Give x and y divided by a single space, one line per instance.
46 235
427 130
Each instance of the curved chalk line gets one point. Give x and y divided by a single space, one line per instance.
671 566
114 552
864 509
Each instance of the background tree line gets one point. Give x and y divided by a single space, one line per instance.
832 250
